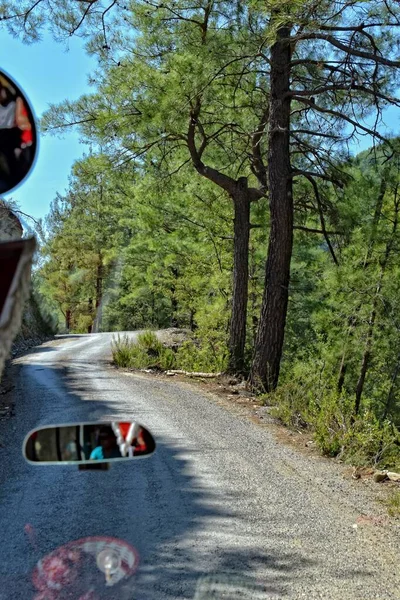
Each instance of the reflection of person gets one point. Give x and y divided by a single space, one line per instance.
8 108
144 442
108 445
24 153
9 134
71 448
16 138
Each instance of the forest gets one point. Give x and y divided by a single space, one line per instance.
225 193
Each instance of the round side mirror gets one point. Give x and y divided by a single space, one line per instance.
18 135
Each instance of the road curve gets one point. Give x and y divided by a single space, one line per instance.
221 498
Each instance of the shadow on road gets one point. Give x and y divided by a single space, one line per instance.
183 529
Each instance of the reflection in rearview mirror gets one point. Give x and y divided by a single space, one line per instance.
88 443
18 139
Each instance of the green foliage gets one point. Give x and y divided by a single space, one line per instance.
342 349
310 401
149 341
123 349
207 351
306 400
144 352
372 442
80 249
210 355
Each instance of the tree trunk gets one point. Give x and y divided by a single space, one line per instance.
174 306
153 309
269 344
99 295
253 294
68 319
90 309
192 323
237 330
174 301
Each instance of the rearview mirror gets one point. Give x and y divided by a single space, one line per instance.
88 443
18 137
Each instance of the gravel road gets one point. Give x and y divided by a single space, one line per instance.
221 503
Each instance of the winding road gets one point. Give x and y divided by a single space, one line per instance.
221 503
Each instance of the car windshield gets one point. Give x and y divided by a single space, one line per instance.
199 299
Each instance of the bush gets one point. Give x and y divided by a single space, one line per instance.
149 341
207 351
310 401
146 352
209 354
167 359
126 353
204 355
369 442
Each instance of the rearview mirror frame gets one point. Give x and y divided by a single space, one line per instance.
95 463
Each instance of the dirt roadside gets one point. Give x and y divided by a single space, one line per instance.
233 396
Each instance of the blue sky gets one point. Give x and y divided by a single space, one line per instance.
48 72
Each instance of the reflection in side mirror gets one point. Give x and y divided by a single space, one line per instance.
88 443
18 137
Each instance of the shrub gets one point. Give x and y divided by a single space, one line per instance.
205 355
120 349
369 442
146 352
149 341
310 400
167 359
126 353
